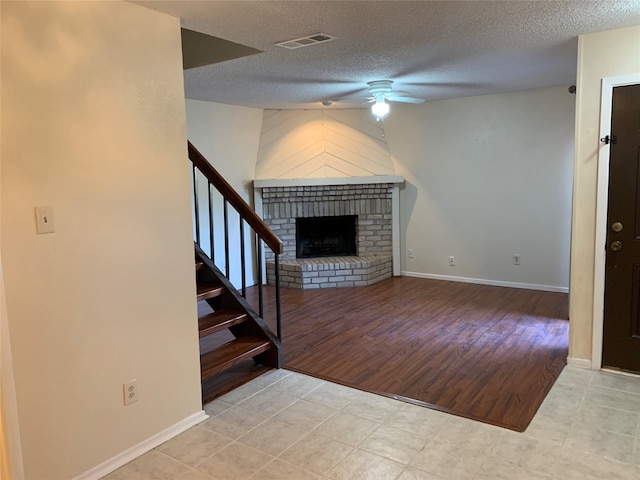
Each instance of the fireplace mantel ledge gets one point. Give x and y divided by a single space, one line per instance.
304 182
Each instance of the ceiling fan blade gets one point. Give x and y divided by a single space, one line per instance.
461 84
353 99
399 98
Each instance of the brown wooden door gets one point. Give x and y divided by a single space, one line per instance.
621 347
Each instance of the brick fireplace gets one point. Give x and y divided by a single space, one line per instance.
370 200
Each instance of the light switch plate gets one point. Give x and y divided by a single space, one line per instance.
44 219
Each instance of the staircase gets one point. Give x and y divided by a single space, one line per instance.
236 345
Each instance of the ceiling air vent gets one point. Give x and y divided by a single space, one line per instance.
306 41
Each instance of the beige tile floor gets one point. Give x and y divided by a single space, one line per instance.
288 426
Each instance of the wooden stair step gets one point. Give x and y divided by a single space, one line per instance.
234 377
199 265
230 354
219 320
209 290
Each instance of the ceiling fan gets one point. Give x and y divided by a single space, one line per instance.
382 93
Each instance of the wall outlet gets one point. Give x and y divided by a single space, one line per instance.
452 261
410 253
516 259
130 391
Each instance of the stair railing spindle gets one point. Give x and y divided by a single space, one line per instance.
195 203
227 269
243 271
259 255
278 313
213 257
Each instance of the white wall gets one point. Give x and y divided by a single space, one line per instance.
93 123
487 177
595 61
228 136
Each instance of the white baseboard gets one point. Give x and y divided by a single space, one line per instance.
143 447
483 281
579 362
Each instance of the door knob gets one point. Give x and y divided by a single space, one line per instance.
616 246
616 227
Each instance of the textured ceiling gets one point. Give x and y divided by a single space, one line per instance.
430 49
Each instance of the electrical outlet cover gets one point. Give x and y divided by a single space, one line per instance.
130 391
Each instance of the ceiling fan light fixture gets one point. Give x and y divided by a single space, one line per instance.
380 108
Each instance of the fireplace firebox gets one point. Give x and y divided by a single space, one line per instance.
326 236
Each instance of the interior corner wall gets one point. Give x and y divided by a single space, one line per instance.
485 178
11 465
595 62
228 136
94 125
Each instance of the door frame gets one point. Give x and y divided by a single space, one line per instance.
602 204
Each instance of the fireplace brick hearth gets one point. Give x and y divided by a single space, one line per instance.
331 272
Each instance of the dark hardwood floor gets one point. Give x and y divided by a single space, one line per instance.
486 353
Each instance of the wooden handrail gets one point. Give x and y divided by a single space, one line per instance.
244 210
